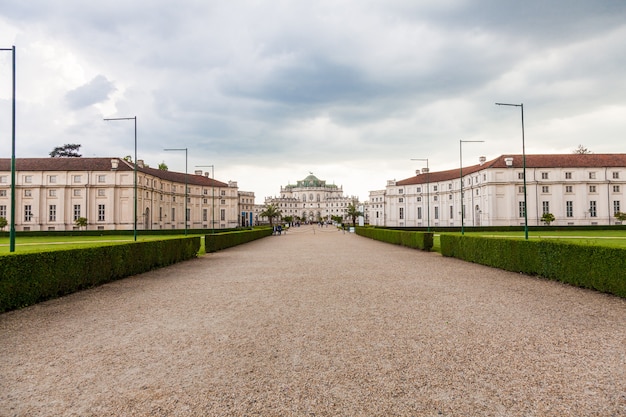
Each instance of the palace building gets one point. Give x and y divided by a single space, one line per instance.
312 200
578 189
52 193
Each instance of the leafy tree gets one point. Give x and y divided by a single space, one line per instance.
353 212
548 218
128 158
163 166
288 219
69 150
3 223
271 212
81 222
620 216
336 219
581 150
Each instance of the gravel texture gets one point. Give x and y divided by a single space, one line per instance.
318 322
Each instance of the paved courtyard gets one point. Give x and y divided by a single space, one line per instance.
318 322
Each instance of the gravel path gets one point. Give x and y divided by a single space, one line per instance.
318 323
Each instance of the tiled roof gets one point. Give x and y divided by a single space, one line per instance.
532 161
103 164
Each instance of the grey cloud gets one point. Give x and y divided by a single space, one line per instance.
95 91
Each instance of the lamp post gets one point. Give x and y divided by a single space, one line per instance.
183 149
521 106
212 195
427 189
135 172
12 219
461 142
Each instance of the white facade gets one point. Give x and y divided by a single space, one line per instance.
577 189
312 200
51 193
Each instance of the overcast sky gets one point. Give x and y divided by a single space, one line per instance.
351 90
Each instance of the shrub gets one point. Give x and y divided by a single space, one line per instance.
416 240
219 241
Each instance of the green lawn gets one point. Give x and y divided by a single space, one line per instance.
50 243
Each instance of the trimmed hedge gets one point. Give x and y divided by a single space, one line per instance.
415 240
596 267
30 278
219 241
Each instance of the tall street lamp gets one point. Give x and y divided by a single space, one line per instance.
461 142
183 149
135 171
521 106
427 189
212 194
12 219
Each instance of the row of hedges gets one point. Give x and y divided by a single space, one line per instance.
415 240
29 278
140 232
596 267
219 241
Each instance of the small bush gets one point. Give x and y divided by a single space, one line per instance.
219 241
415 240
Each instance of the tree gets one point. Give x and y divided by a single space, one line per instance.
3 223
69 150
548 218
163 166
581 150
128 158
620 216
353 212
288 219
271 212
81 222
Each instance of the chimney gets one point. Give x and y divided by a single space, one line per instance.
417 172
140 163
508 161
206 174
114 164
482 160
425 170
197 172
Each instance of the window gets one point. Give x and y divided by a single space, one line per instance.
102 192
28 193
451 212
545 207
223 214
616 175
102 178
3 211
101 212
28 179
401 200
569 189
28 213
173 214
616 188
3 193
592 175
77 178
418 189
52 213
3 179
520 189
76 211
568 175
436 213
544 175
449 196
76 192
222 201
592 188
419 199
188 214
52 193
450 186
400 191
616 207
52 179
545 189
521 209
435 198
569 208
520 175
434 188
593 209
401 214
205 215
419 213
